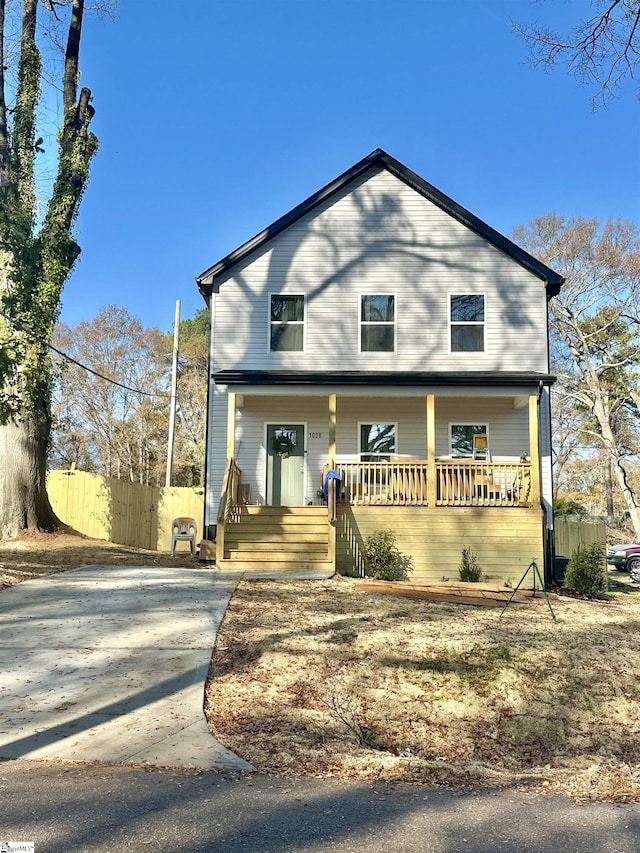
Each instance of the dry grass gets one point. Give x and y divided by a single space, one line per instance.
47 553
318 678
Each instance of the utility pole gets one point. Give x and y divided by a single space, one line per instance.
174 394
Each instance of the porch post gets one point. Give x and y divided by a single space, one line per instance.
431 450
332 485
534 449
231 424
332 429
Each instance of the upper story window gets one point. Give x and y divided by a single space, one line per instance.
377 323
286 323
377 441
467 323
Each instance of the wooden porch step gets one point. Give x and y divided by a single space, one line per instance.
273 566
260 523
276 556
277 539
290 511
320 545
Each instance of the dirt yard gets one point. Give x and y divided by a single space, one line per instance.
47 553
320 678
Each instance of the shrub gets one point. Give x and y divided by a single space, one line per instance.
587 572
469 570
569 506
383 560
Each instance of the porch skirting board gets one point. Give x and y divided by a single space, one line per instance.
505 541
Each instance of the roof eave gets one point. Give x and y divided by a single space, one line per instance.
360 378
205 280
553 280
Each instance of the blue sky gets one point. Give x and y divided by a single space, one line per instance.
216 117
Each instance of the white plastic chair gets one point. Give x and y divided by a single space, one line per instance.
184 530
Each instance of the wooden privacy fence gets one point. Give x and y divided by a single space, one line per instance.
571 534
120 511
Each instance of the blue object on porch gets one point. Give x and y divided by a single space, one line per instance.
332 474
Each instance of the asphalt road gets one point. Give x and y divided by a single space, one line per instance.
68 808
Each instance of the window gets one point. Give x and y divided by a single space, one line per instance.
462 438
287 324
377 441
377 324
467 323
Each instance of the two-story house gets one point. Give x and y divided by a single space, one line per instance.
382 331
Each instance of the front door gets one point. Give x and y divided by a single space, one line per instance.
285 464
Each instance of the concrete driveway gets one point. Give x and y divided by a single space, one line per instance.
108 663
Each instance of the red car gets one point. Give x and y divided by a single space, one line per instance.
625 558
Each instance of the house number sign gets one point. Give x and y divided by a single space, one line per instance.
315 435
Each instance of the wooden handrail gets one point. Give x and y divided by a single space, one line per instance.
459 482
227 505
464 482
387 482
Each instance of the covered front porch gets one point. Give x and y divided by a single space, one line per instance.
394 450
403 459
403 474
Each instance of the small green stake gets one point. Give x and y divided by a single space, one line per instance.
536 573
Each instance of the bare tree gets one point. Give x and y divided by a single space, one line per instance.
192 400
114 423
602 50
36 253
596 334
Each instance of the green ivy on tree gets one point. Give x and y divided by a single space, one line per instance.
36 256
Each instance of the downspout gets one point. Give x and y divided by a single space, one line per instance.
548 537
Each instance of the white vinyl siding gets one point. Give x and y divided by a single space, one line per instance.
508 428
216 451
380 236
407 414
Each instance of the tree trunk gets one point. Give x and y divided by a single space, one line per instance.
609 489
24 503
40 253
601 412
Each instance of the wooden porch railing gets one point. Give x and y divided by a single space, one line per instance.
395 483
227 505
468 483
460 482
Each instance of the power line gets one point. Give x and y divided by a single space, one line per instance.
72 360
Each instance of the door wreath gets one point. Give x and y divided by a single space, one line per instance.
282 444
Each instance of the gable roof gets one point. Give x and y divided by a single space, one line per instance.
379 158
